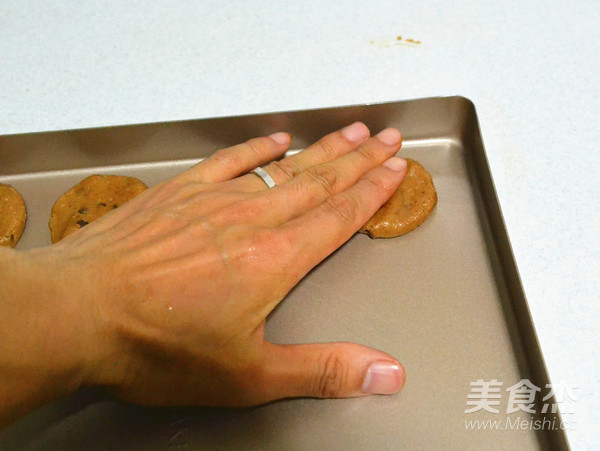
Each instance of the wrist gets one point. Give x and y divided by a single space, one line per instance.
49 344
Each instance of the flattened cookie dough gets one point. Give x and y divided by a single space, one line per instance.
90 199
13 216
408 207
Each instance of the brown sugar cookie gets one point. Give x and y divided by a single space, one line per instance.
408 207
13 216
90 199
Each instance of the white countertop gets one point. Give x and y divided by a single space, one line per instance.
531 69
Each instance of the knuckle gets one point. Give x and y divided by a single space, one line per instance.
269 240
255 205
257 146
283 170
282 243
225 158
273 253
326 177
328 148
376 186
243 210
367 153
332 378
345 207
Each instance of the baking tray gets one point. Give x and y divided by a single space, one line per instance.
446 299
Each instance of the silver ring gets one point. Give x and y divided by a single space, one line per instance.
264 175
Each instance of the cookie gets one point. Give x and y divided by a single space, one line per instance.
408 207
13 216
90 199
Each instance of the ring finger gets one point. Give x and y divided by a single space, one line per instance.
326 149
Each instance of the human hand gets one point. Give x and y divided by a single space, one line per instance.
172 289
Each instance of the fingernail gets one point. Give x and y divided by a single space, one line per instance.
397 164
389 136
383 378
355 132
281 138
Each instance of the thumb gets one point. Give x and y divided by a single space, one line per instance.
333 370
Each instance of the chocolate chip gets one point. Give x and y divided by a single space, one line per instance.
101 204
82 222
82 211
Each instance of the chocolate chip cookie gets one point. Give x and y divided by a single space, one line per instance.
408 207
13 216
90 199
